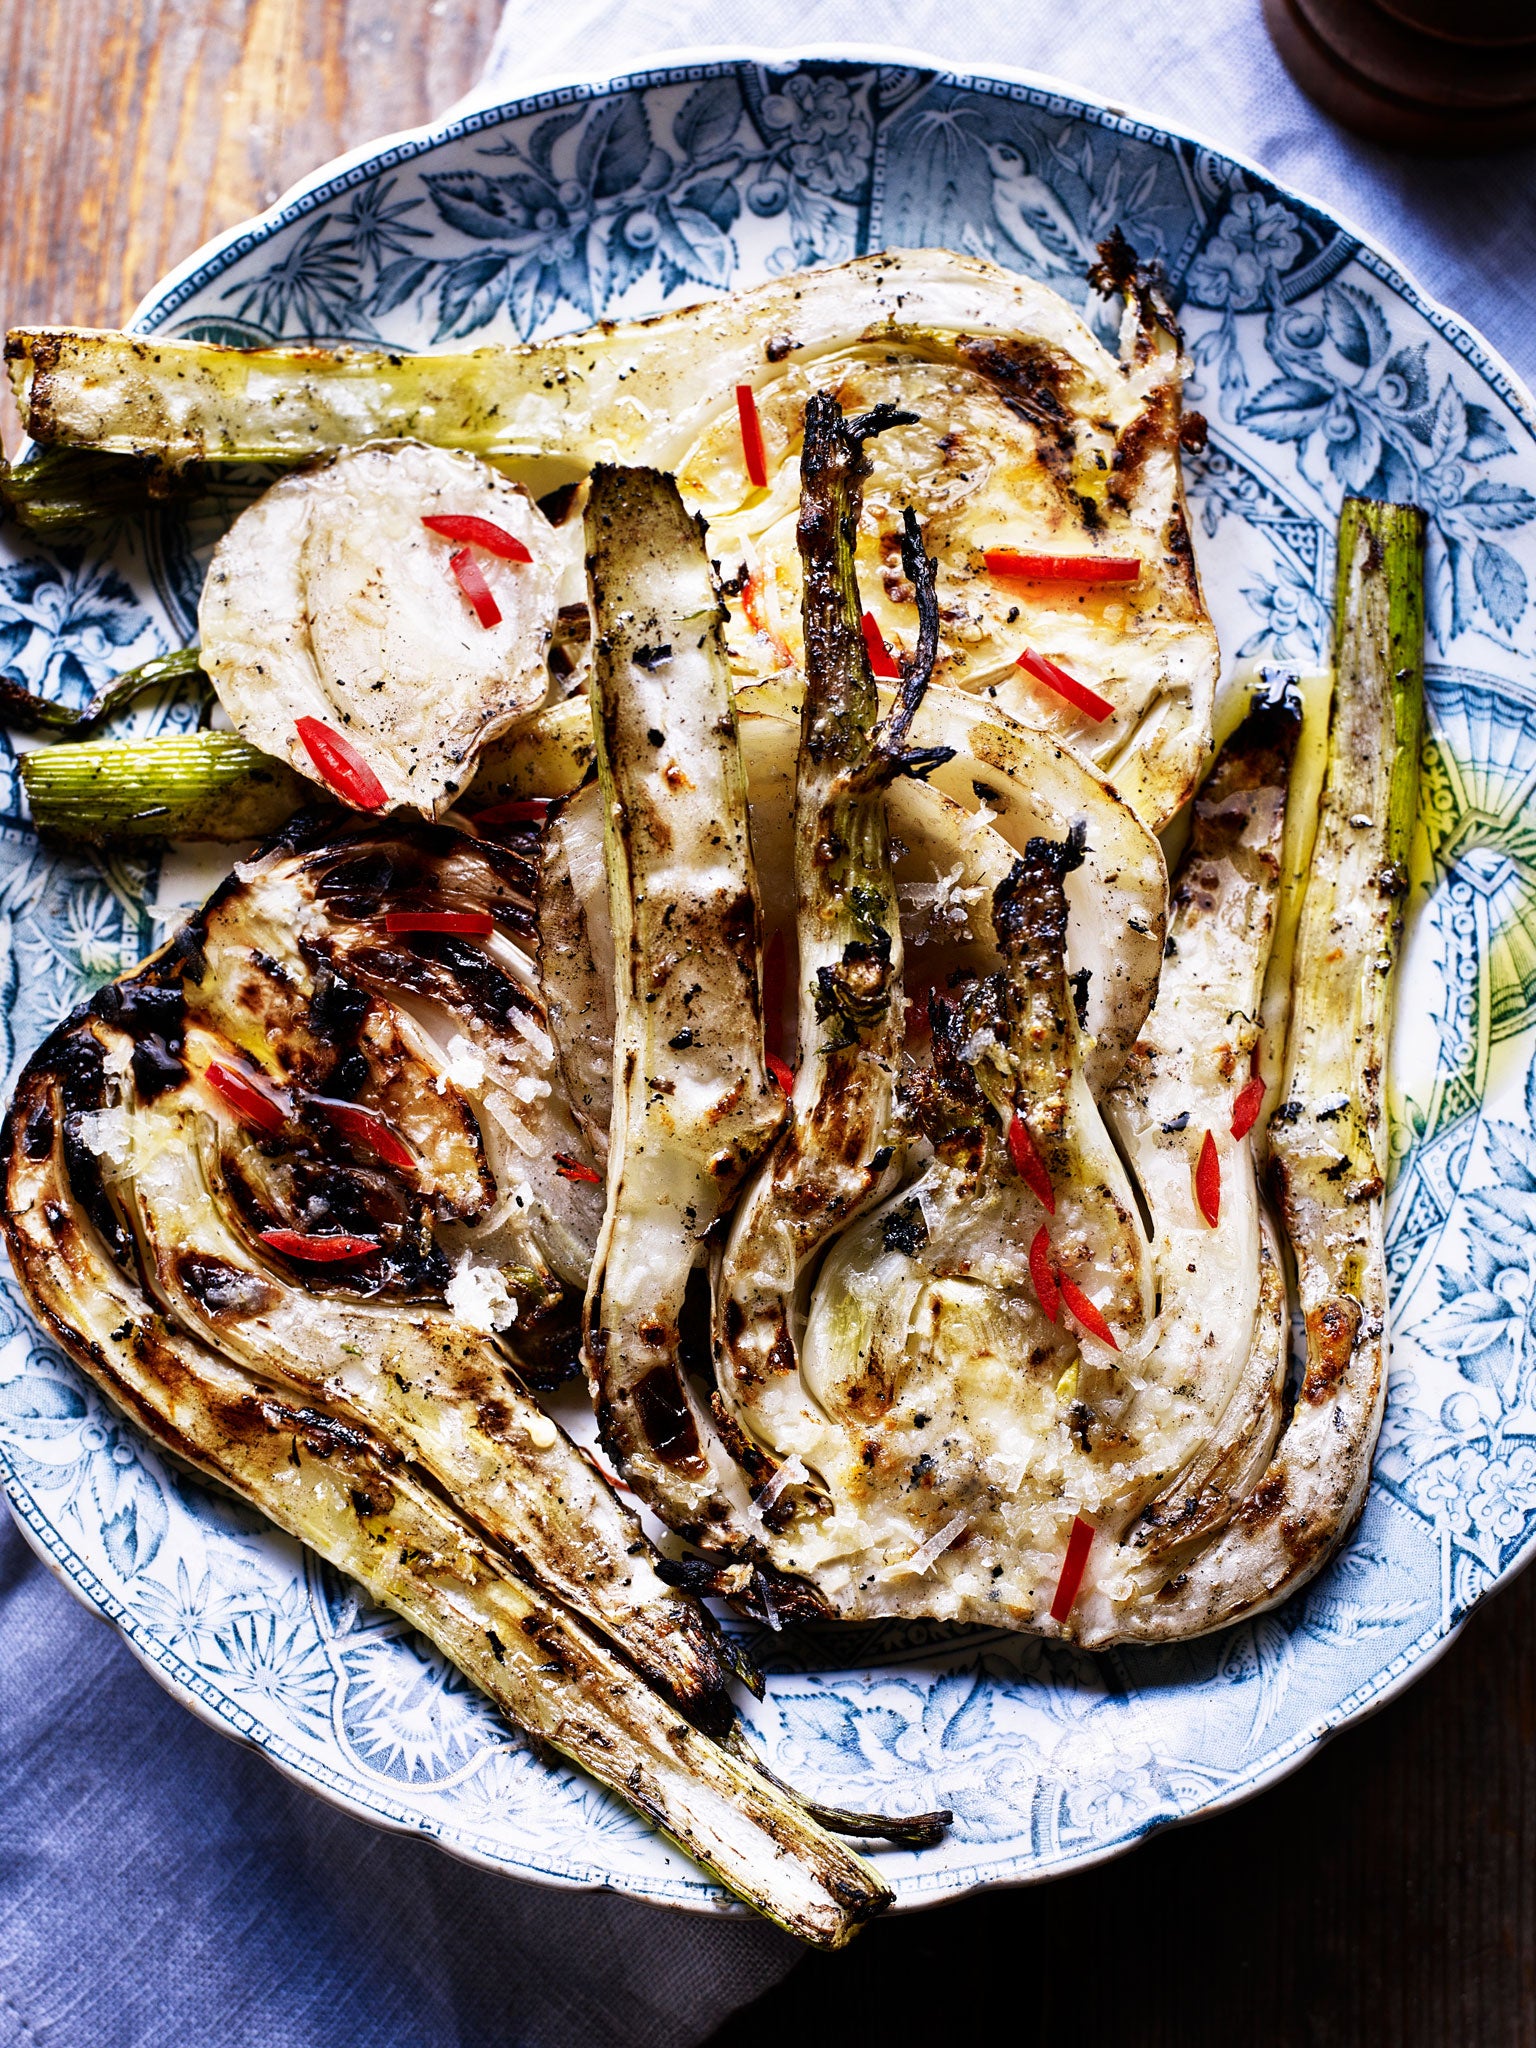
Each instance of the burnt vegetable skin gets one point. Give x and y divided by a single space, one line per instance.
843 1148
693 1104
1328 1134
350 1494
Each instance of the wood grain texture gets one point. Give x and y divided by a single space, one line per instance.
133 130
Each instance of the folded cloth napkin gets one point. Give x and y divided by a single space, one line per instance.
163 1887
160 1886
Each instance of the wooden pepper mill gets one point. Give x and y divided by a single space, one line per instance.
1451 76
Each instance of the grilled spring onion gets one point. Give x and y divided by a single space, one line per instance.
1328 1137
24 712
350 1495
214 785
639 393
55 491
194 785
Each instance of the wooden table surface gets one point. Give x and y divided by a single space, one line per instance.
1387 1892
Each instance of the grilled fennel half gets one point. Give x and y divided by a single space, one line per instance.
693 1103
171 1209
1328 1135
1027 435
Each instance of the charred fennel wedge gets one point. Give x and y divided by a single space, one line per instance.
958 1409
1208 1406
351 1494
843 1148
693 1103
1028 434
1328 1136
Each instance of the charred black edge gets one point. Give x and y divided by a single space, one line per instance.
711 1710
1259 753
1029 906
840 686
1120 273
904 1831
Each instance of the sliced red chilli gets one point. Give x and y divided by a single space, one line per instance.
881 661
751 435
368 1132
468 924
1063 568
341 765
573 1169
1079 1543
249 1102
479 533
1077 694
517 810
319 1251
471 579
1246 1107
1043 1274
1028 1164
1084 1312
1208 1181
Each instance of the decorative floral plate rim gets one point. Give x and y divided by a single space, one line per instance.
1106 1783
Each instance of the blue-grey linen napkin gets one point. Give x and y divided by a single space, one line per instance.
159 1886
164 1887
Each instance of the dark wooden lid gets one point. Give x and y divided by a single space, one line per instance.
1443 75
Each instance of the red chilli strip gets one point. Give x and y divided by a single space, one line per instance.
319 1251
1028 1164
572 1169
1042 1273
1208 1181
1085 1312
470 924
369 1132
251 1104
479 533
1077 694
1246 1107
1079 1543
751 435
517 810
474 586
342 766
782 1072
880 661
1063 568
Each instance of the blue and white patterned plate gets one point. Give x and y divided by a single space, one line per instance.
1322 370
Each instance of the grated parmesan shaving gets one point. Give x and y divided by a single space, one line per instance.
923 1560
462 1065
479 1297
790 1473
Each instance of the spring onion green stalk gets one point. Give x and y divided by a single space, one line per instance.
195 785
55 491
24 712
1329 1139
